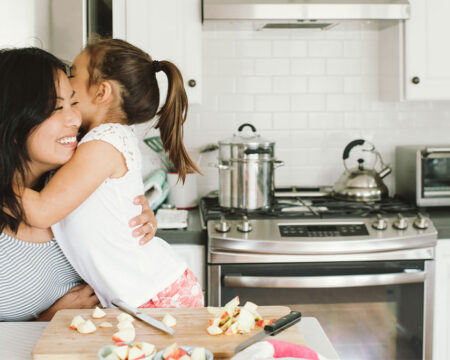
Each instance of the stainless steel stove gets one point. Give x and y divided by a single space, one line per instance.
311 249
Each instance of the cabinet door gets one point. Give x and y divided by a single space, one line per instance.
427 51
167 30
441 331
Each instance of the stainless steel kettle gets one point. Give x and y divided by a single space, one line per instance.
361 183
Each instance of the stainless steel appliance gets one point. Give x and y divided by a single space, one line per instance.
423 174
246 170
362 183
365 270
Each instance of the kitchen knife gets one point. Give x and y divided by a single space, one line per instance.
270 330
141 316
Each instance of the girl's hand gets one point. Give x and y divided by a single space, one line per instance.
146 219
79 297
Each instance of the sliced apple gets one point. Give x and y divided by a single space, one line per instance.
232 330
105 324
171 351
135 353
185 357
87 327
120 350
246 321
216 311
214 330
169 320
76 321
112 356
250 306
124 316
125 335
148 349
198 354
125 324
232 305
98 313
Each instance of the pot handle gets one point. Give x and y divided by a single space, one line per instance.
278 163
220 166
350 146
240 128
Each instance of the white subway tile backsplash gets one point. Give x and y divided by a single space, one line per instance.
253 48
254 85
310 91
290 48
308 102
308 67
272 103
326 48
290 84
272 67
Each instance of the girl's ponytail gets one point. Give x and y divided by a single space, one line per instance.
171 119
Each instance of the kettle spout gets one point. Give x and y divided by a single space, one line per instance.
385 172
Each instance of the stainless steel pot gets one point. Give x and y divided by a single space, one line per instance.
361 183
246 171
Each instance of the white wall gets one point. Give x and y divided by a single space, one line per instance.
310 91
24 23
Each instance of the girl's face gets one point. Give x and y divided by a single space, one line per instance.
79 79
54 141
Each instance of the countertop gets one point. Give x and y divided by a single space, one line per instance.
441 220
18 338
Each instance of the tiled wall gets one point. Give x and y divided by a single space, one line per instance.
310 91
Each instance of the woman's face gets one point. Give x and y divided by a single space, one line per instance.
79 79
54 141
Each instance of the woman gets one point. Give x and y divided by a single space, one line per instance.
39 122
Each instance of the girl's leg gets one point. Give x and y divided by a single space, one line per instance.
185 292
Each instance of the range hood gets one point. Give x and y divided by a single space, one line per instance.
305 10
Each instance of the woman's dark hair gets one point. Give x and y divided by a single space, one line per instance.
135 71
27 98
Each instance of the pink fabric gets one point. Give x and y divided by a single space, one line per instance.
185 292
283 349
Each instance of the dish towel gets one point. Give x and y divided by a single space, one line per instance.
276 349
155 187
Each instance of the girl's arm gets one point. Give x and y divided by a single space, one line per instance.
92 163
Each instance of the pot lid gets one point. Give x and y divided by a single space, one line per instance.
247 138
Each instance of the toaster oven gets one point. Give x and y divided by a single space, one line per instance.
422 174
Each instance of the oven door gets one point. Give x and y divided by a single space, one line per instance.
369 310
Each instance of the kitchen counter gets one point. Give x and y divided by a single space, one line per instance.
441 220
19 338
192 235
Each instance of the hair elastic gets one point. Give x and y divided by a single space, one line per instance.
156 66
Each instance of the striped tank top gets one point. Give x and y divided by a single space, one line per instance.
32 277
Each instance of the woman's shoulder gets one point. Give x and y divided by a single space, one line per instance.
107 131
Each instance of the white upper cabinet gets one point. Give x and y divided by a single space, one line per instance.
167 30
415 54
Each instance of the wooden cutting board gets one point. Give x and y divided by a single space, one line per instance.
59 342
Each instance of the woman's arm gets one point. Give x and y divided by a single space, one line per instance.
79 297
92 163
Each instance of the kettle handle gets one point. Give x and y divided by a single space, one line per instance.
350 146
240 128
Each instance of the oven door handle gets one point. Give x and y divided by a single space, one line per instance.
341 281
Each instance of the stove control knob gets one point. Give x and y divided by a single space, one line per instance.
421 222
244 226
222 226
379 223
400 223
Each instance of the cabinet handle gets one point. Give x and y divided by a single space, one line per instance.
415 80
192 83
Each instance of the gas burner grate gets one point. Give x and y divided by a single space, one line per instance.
311 207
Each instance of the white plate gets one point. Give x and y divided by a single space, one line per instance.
188 349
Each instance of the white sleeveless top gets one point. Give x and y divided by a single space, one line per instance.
97 240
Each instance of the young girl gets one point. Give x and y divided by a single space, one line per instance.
88 200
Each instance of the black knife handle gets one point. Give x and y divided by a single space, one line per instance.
283 323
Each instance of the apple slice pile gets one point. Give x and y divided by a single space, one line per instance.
173 352
87 326
127 332
233 319
137 351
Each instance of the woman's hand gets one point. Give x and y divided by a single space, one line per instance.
146 219
79 297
